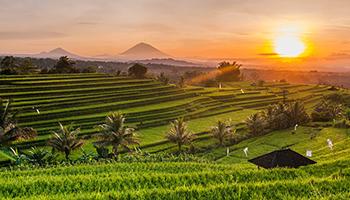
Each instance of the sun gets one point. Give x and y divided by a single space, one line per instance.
289 45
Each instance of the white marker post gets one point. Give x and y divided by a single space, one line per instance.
308 153
245 150
295 127
227 151
330 144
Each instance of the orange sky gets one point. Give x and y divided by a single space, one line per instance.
182 28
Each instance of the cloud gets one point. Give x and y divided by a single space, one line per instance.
268 54
339 56
25 35
87 23
148 27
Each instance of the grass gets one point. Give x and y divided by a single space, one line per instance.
221 177
178 180
85 100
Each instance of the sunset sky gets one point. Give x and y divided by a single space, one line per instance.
182 28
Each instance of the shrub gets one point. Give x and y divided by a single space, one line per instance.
342 123
327 111
260 83
348 114
256 124
276 117
9 130
181 83
90 69
137 70
283 81
162 78
40 156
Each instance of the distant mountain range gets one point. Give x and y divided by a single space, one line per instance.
141 53
55 53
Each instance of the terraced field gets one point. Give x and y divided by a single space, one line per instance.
149 106
328 179
84 100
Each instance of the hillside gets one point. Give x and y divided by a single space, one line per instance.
149 106
85 100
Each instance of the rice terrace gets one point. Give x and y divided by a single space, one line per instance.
207 120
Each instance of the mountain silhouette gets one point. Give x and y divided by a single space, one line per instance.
143 51
56 53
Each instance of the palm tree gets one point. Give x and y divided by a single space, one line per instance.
9 131
179 134
296 113
275 117
65 140
114 133
255 124
221 132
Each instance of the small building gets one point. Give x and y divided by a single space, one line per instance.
281 158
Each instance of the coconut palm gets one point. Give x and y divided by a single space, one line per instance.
256 124
65 140
296 113
179 134
275 117
221 132
114 133
9 131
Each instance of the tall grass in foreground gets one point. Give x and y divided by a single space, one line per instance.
176 181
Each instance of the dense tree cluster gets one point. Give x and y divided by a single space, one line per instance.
276 117
64 65
10 65
332 107
327 111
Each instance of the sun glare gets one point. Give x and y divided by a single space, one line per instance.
289 46
288 43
